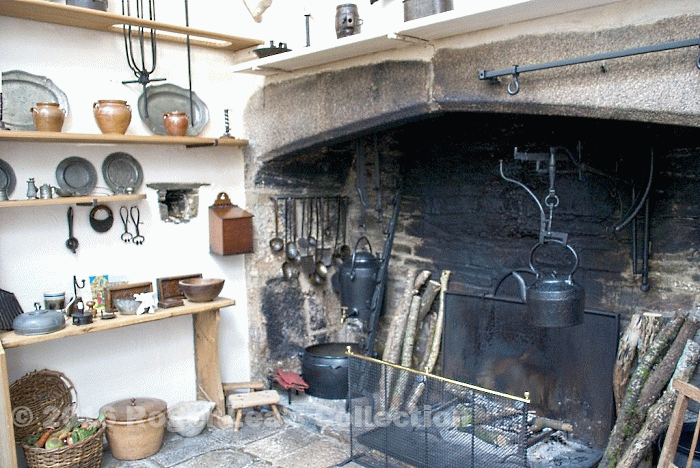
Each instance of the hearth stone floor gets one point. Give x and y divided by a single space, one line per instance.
314 435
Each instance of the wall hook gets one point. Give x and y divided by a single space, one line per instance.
697 62
514 85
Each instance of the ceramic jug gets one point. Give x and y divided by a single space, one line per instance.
48 117
176 123
112 116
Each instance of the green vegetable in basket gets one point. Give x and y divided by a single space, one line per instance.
53 443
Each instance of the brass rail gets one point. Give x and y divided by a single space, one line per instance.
525 399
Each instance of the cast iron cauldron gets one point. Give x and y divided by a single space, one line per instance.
325 368
357 280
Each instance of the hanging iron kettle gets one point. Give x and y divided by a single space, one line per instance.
357 280
554 300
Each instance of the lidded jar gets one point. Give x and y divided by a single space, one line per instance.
112 115
48 117
176 123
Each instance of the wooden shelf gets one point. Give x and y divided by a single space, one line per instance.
88 199
85 18
11 339
91 138
477 16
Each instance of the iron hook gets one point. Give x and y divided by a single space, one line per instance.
514 85
697 62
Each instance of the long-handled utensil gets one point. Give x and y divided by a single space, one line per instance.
72 242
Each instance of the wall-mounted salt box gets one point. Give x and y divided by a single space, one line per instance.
230 228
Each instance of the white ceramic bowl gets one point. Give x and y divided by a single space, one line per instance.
189 418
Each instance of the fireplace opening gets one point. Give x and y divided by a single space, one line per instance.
458 214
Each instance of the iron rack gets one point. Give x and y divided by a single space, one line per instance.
515 70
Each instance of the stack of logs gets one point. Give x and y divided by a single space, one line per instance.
414 314
644 397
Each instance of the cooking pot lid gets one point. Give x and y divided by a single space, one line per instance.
133 409
332 349
38 322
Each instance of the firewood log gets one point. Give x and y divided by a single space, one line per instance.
626 354
430 359
660 413
651 325
407 353
620 434
662 373
394 339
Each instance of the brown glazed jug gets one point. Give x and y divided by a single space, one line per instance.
112 116
48 117
176 123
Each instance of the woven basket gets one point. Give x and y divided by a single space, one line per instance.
85 454
41 399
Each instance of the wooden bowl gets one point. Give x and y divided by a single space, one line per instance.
201 289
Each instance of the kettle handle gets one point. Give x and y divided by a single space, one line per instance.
357 244
568 246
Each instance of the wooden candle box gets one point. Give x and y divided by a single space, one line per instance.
230 228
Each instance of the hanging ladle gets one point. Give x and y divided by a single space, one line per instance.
290 215
72 242
321 267
276 243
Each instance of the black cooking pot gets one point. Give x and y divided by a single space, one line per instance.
325 368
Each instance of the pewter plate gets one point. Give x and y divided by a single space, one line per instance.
76 176
21 91
122 173
166 98
7 178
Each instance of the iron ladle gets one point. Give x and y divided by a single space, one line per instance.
72 242
276 243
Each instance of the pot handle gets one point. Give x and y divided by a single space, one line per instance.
520 279
357 244
568 246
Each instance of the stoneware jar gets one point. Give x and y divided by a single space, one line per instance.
176 123
112 116
48 117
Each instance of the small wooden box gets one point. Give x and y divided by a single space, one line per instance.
230 228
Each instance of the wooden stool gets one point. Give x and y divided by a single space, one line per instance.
241 401
234 386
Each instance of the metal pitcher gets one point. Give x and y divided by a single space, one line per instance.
358 280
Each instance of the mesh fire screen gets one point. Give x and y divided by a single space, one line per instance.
400 417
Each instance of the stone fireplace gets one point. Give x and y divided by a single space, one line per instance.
440 133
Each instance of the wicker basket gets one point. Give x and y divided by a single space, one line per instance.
44 399
41 399
85 454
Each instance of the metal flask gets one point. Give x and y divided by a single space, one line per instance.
357 280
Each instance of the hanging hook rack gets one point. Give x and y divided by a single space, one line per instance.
143 70
514 86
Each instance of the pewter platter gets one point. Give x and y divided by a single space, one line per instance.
122 173
167 98
7 178
76 176
21 91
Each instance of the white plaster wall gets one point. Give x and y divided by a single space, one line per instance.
156 359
